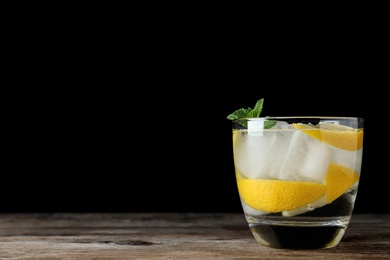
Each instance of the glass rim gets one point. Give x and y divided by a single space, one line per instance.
266 122
302 117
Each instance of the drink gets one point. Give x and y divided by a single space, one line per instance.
298 177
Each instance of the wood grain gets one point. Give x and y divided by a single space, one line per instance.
169 236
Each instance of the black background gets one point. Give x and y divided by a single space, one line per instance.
168 150
104 120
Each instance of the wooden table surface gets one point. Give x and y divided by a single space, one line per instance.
169 236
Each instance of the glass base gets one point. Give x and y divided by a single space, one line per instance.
299 235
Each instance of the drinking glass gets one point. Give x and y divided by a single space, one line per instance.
298 177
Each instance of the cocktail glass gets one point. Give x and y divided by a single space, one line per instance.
298 178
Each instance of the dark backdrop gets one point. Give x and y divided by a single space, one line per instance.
138 124
165 149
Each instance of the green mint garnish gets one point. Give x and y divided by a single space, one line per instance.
247 112
251 113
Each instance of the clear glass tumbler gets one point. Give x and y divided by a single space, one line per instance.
298 178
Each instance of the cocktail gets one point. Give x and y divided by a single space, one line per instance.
297 177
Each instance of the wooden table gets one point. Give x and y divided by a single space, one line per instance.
169 236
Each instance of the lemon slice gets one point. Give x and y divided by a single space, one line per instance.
277 195
296 197
343 137
338 180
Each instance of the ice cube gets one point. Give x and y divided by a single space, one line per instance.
278 153
282 125
304 159
251 151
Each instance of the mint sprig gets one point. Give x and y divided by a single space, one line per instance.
247 112
251 113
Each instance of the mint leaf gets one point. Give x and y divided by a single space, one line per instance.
240 113
251 113
247 112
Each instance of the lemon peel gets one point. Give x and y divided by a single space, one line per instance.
338 180
343 137
277 195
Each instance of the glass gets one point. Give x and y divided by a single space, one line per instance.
298 177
